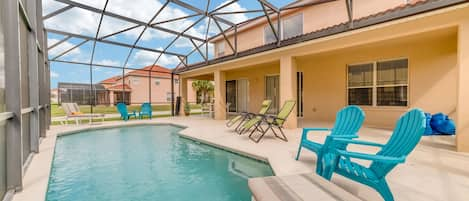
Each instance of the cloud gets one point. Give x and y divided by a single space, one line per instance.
85 22
62 48
108 62
145 58
53 74
236 18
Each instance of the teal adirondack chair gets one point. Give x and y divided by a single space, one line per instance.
125 115
348 121
145 110
405 137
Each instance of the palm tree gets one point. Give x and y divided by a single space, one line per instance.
204 87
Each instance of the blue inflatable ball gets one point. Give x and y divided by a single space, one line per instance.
443 124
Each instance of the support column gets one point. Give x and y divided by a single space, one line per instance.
288 87
462 109
183 93
220 95
9 14
111 98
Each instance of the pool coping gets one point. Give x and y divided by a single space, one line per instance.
33 188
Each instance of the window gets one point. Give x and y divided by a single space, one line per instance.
135 81
383 83
360 84
292 26
157 82
220 49
168 96
392 83
269 36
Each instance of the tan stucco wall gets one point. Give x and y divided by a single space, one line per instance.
255 75
314 18
432 77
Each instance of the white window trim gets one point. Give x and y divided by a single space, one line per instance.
374 103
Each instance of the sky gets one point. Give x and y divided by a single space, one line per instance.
80 21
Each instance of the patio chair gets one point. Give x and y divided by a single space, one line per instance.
72 110
347 123
255 124
244 116
406 135
145 110
125 115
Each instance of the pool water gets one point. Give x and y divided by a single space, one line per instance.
144 163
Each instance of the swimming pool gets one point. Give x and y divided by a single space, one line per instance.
143 163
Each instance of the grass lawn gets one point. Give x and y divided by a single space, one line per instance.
85 121
57 111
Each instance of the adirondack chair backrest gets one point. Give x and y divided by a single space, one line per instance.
146 107
265 106
122 108
348 121
405 137
287 108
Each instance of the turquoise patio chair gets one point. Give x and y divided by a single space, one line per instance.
405 137
145 110
347 123
125 115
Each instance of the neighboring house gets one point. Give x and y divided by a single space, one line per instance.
137 85
133 88
394 55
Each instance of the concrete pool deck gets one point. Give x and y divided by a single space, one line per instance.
434 171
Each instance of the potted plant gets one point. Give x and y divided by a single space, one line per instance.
187 109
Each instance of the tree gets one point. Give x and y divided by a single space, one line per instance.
204 87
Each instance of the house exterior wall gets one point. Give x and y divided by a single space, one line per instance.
314 18
256 77
140 89
432 78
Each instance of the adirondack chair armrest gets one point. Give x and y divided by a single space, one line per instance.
307 130
372 157
359 142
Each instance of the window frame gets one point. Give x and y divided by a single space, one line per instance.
218 52
267 26
281 28
375 85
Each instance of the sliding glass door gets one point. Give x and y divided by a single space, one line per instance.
272 91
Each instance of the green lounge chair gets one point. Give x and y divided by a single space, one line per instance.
244 116
255 124
405 137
